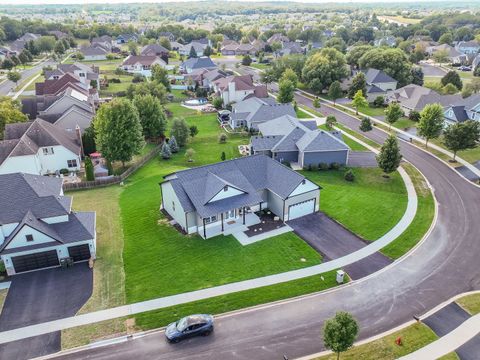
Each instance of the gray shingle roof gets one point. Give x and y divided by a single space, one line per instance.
320 140
262 143
373 76
199 63
251 174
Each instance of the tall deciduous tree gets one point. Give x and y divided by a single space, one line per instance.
118 132
359 101
393 113
452 77
323 68
10 113
359 82
340 332
290 75
286 91
431 122
356 53
389 157
160 75
268 76
179 129
461 136
335 91
14 76
151 116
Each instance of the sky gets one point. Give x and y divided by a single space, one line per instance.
43 2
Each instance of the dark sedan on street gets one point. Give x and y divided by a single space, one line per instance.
189 326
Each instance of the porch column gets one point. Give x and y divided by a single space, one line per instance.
260 206
243 211
204 229
221 215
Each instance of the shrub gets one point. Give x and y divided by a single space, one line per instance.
349 175
379 101
137 78
335 166
119 71
323 166
366 124
115 80
64 171
414 116
309 167
2 268
314 167
222 138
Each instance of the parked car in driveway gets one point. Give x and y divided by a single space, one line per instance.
465 68
189 326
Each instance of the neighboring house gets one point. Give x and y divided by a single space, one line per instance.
209 77
245 49
18 45
378 84
289 48
58 34
125 38
288 140
416 97
254 111
154 50
40 148
193 64
471 47
141 64
167 35
386 41
259 45
230 48
105 41
277 38
237 88
464 109
186 49
222 198
86 74
454 56
93 53
38 227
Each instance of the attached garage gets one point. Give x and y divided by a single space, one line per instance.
79 252
35 261
301 209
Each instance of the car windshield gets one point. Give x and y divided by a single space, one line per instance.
182 324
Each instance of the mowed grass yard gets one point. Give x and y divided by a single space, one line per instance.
369 206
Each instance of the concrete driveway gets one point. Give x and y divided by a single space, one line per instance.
333 241
43 296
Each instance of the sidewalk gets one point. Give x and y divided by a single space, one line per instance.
128 310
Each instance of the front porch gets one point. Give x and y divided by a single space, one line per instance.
229 225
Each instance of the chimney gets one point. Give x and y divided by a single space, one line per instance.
78 132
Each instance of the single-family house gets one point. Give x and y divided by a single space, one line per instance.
386 41
38 228
18 45
245 49
167 34
280 38
288 140
203 62
453 55
141 64
237 88
463 110
259 45
290 48
58 34
104 41
416 97
94 53
86 74
185 50
378 83
230 48
154 50
222 198
471 47
40 148
253 111
125 38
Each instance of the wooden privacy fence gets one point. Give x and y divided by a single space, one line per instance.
116 179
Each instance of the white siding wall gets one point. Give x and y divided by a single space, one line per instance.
172 205
57 160
226 194
56 219
20 240
29 164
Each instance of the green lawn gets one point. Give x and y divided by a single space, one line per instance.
179 94
370 206
369 110
260 66
404 123
471 303
302 114
413 338
115 88
422 221
470 155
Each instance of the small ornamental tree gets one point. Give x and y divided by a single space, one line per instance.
431 122
335 91
166 151
349 175
223 156
330 122
452 77
461 136
393 113
359 101
246 60
190 153
340 332
193 131
414 115
173 144
389 157
222 138
180 130
89 172
366 124
193 53
217 102
316 102
14 76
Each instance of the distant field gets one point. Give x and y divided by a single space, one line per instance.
400 19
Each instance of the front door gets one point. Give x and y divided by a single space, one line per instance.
230 215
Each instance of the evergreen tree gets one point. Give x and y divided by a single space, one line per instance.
193 53
173 144
89 171
417 75
223 156
180 130
88 140
166 151
389 157
366 124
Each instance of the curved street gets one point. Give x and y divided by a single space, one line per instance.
444 265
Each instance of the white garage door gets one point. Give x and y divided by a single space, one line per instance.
301 209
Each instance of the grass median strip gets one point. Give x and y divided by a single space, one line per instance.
471 303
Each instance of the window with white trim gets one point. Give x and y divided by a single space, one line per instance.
72 163
29 238
48 151
210 219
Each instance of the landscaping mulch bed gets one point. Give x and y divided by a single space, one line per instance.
268 224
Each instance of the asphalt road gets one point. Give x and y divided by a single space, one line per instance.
445 265
7 85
